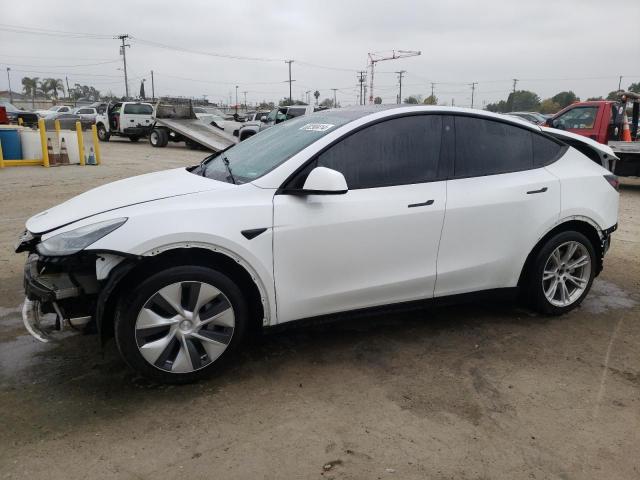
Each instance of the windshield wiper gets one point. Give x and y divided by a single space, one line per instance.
225 160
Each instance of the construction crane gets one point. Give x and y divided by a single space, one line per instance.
382 56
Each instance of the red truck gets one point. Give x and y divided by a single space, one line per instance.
603 121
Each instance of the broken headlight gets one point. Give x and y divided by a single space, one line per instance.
73 241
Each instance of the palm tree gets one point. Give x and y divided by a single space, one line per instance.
52 85
30 87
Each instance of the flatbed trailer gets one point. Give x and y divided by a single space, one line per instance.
177 122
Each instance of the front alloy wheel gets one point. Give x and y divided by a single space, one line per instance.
184 327
181 323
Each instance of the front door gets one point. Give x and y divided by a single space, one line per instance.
377 244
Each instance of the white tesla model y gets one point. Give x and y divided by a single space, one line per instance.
338 211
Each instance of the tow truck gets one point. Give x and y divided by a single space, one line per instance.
604 121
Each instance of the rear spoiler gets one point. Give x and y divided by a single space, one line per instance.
599 153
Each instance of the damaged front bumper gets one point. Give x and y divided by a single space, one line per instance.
61 294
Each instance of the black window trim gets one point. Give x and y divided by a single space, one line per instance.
446 162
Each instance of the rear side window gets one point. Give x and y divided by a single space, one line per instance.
487 147
138 109
545 150
399 151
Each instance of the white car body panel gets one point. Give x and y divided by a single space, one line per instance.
491 225
342 252
584 193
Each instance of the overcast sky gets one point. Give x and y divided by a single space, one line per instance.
583 45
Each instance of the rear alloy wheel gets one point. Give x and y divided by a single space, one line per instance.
181 322
563 273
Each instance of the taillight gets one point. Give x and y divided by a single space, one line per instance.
613 181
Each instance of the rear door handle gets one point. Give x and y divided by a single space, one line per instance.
423 204
542 190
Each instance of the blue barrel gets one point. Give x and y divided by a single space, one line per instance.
11 148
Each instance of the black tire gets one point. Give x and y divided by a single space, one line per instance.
103 135
534 284
130 306
134 138
158 138
245 135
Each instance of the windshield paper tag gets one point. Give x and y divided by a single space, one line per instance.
317 127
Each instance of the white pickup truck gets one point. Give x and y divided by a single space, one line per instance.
125 119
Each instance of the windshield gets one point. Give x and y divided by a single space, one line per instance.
263 152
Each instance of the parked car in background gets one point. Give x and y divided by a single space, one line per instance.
125 119
533 117
256 116
67 121
53 110
275 116
214 117
14 113
327 213
86 113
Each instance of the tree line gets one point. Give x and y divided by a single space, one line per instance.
54 88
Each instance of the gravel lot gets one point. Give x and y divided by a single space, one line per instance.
478 391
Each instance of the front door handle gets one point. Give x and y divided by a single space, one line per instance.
542 190
423 204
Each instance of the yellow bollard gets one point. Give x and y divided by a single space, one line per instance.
1 157
96 144
20 121
56 125
43 142
80 142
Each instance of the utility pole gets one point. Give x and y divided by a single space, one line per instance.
432 86
308 97
473 89
236 99
400 74
335 103
515 83
620 83
66 79
361 81
246 108
123 52
290 97
153 89
9 80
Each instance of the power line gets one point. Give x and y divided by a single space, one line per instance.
61 66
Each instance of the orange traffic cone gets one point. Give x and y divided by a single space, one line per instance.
626 133
64 154
53 158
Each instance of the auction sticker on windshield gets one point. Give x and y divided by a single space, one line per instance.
317 127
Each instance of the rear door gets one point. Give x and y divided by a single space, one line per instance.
500 200
377 244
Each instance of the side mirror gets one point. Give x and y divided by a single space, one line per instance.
324 181
263 118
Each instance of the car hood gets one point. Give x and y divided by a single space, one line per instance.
130 191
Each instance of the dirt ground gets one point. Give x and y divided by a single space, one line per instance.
479 391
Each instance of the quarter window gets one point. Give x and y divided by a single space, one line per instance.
545 150
394 152
487 147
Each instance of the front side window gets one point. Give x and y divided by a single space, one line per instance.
399 151
261 153
578 117
487 147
